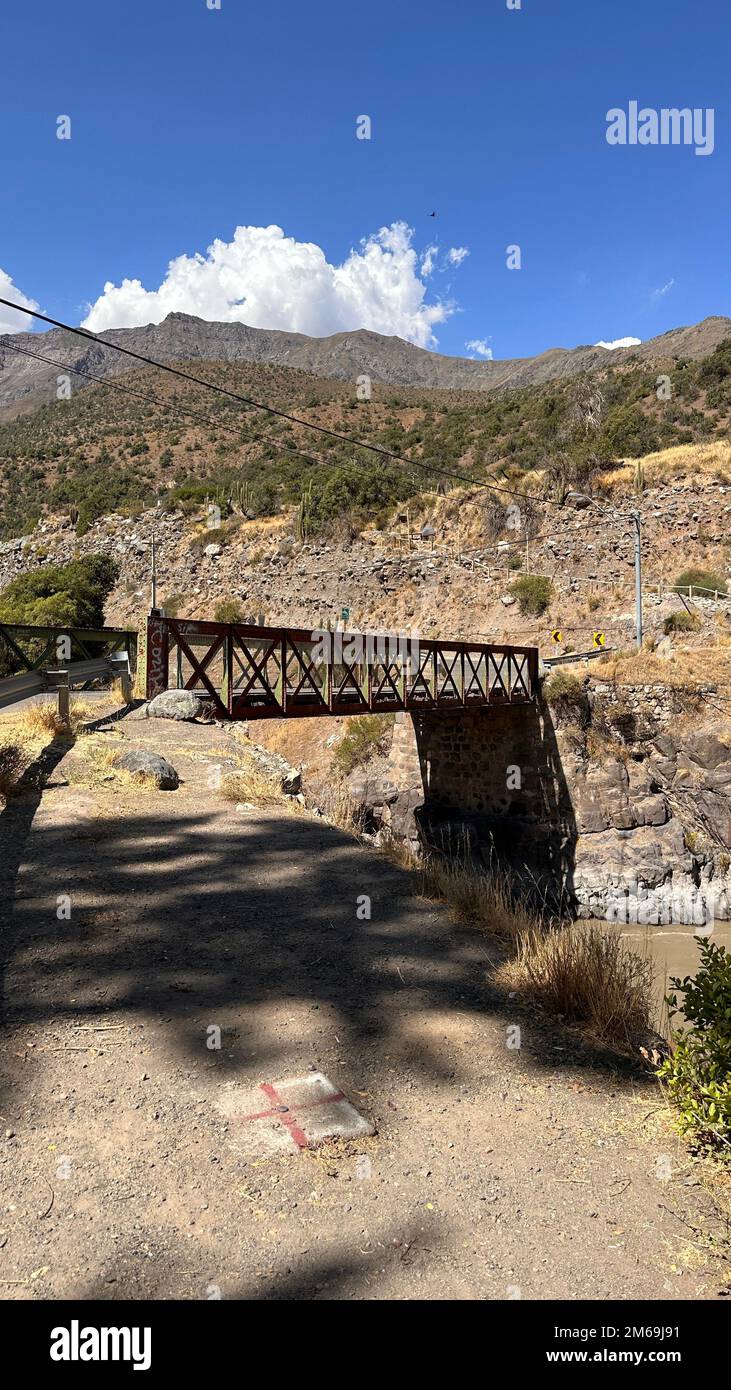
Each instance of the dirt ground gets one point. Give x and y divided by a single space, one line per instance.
496 1172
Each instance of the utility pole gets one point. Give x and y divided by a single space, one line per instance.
153 578
638 577
153 575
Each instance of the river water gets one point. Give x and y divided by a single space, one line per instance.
672 949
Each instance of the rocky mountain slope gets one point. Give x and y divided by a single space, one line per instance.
344 356
144 435
458 585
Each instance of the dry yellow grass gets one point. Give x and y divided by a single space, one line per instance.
588 978
251 784
96 768
340 808
697 460
37 720
688 669
592 980
475 896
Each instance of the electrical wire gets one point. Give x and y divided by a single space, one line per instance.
315 459
272 410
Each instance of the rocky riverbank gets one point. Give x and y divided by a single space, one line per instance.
617 802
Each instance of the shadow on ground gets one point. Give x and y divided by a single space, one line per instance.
205 918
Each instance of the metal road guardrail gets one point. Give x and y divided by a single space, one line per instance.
22 687
576 656
13 689
81 672
33 648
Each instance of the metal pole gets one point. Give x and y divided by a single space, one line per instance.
153 577
638 578
64 711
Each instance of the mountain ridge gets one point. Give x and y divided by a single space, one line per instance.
26 382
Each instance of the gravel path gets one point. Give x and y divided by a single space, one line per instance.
494 1173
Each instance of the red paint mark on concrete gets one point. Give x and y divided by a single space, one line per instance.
287 1115
299 1136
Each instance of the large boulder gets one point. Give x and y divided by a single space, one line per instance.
139 763
174 704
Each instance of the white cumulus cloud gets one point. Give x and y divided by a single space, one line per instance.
10 320
456 254
480 347
269 280
619 342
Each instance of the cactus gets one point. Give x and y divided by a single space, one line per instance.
303 513
639 477
241 496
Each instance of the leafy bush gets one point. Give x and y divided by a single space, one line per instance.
534 593
681 622
61 595
364 737
701 579
565 689
698 1074
228 610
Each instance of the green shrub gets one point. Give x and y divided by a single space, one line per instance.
534 593
701 579
564 688
228 610
698 1074
60 595
681 622
364 737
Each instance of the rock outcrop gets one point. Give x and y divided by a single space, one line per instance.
616 806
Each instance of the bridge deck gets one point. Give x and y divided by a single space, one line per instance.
251 672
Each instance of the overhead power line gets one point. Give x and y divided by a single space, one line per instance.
281 414
315 459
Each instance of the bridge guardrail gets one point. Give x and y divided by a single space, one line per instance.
248 671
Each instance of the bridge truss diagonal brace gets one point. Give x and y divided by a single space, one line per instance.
272 672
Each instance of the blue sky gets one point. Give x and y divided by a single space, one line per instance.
187 122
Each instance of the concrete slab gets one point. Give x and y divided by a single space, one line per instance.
297 1113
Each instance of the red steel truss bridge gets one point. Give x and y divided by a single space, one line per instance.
251 672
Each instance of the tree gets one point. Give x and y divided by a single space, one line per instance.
71 595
